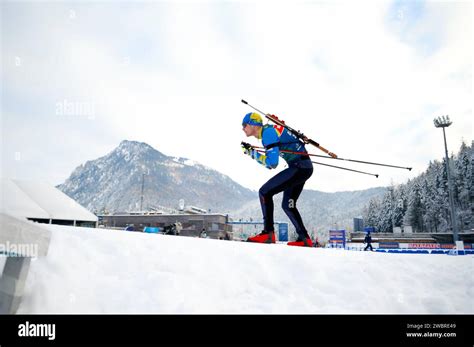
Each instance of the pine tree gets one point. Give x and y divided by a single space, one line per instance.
414 211
371 217
430 216
463 174
423 202
400 205
386 215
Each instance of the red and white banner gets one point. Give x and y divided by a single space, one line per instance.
424 245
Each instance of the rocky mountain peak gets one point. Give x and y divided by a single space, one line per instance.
113 182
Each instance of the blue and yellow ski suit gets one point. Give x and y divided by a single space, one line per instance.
289 181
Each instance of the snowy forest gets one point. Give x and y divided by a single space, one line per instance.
423 202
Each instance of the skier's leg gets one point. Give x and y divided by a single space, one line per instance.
275 185
289 207
290 196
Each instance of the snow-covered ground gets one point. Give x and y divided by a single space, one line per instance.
105 271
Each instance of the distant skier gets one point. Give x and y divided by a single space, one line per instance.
368 241
290 181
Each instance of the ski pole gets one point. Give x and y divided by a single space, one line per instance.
366 162
247 145
297 133
344 168
353 160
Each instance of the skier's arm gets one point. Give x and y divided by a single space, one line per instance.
260 158
272 153
270 140
269 159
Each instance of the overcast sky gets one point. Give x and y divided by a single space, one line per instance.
364 79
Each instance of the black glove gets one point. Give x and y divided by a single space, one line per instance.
248 149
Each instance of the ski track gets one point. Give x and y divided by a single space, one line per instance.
109 271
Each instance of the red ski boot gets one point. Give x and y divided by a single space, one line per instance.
263 237
301 243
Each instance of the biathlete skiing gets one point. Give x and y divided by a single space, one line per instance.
282 140
290 181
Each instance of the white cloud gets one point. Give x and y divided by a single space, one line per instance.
172 75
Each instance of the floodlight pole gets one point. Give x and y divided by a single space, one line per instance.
444 122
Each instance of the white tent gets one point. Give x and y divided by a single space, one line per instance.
42 202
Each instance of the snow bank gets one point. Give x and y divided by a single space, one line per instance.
106 271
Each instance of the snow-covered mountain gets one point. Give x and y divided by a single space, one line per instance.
114 182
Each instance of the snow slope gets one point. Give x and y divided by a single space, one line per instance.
106 271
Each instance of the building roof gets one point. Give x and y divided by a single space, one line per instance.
39 200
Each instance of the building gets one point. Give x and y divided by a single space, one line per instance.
358 224
192 224
42 203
